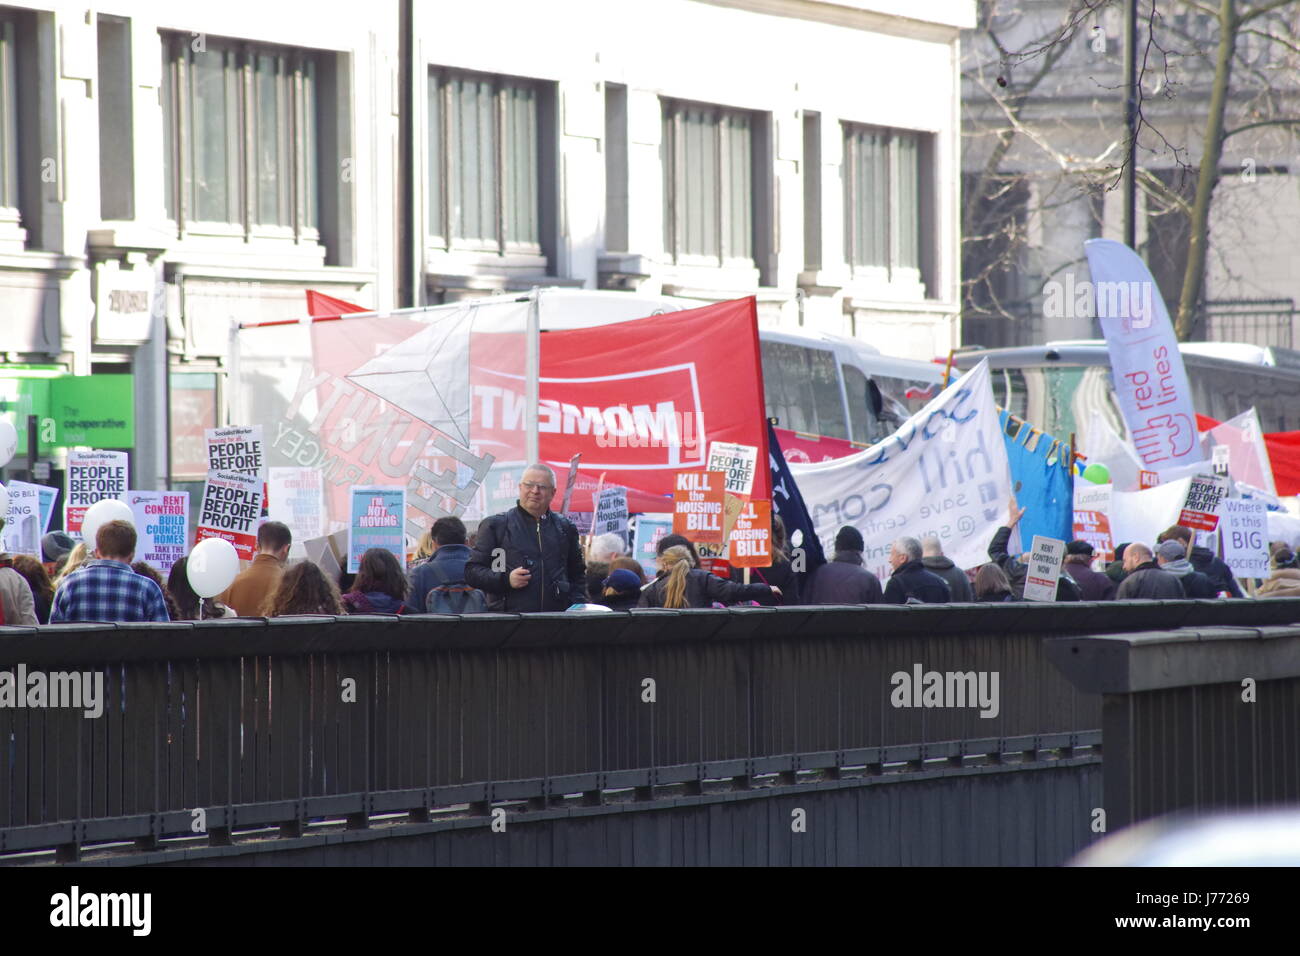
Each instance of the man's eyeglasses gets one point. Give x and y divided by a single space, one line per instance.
535 486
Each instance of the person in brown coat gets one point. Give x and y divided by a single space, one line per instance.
1285 579
250 589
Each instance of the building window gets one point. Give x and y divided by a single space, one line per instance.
240 137
483 162
708 183
9 154
882 198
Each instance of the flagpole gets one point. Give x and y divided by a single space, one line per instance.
532 372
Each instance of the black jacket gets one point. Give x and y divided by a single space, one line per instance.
843 580
780 575
703 589
913 580
548 547
958 584
1093 585
1214 568
445 566
1017 570
1147 582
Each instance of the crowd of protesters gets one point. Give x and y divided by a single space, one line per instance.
530 559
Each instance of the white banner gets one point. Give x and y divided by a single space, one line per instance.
296 497
1045 558
944 473
611 512
22 531
236 448
161 525
737 462
1244 526
1150 381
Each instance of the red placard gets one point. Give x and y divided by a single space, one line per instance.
751 538
1148 479
698 504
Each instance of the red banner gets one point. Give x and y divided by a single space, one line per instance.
643 400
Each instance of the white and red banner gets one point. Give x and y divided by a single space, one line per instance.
91 477
232 509
1150 382
435 400
161 526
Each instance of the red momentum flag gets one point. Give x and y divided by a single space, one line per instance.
644 399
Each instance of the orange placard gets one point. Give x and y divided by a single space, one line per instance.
751 538
1148 479
698 505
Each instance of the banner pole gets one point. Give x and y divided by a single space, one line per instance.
532 388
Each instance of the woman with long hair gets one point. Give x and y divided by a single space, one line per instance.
380 586
303 589
147 570
681 584
179 592
77 557
992 584
38 579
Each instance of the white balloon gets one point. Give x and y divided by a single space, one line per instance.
212 566
8 442
101 513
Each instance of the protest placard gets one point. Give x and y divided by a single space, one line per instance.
569 481
1148 479
1045 557
22 531
235 448
297 499
751 538
232 509
46 497
92 476
1245 537
161 526
378 519
697 505
1200 509
1220 457
1092 518
649 529
737 463
611 512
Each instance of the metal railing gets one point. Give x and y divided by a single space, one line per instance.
283 721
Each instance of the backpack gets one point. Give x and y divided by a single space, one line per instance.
453 597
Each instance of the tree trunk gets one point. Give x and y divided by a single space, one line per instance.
1211 154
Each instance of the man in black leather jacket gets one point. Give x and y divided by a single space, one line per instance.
528 558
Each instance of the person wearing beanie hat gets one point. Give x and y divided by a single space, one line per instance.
1093 585
843 579
621 590
1172 556
1115 569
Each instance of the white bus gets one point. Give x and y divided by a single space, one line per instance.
813 382
1058 386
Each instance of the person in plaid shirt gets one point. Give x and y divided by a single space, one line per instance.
106 589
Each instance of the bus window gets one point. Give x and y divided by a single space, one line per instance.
866 428
802 389
826 392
